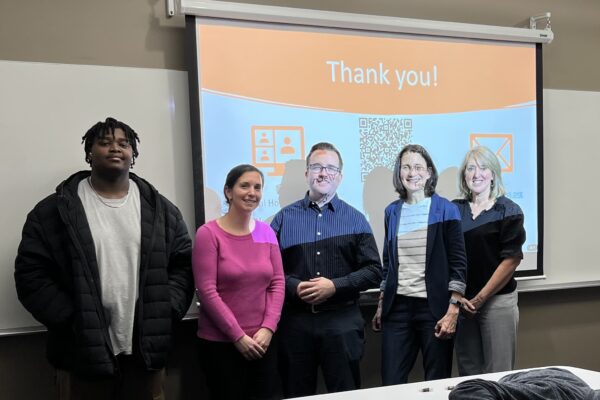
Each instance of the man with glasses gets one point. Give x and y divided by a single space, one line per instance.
329 257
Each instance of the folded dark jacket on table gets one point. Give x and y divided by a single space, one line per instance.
537 384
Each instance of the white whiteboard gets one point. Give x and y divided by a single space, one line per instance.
571 191
46 108
44 111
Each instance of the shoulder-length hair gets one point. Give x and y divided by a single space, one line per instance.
431 182
483 156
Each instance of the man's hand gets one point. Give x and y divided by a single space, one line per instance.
376 322
316 290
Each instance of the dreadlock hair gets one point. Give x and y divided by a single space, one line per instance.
107 128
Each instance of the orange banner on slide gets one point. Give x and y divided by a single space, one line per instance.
364 74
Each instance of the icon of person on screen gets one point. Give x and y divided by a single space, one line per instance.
105 264
287 149
494 235
263 138
265 156
329 257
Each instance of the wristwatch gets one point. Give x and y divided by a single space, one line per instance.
456 302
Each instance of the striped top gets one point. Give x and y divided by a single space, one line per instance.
412 246
446 263
334 242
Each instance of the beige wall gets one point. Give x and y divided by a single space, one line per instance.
557 328
137 32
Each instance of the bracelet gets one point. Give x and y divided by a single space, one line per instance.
456 302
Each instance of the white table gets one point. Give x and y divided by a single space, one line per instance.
439 389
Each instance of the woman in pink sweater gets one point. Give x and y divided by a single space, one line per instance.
240 285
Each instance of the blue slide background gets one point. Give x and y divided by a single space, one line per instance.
227 141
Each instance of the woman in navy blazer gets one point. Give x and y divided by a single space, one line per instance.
424 273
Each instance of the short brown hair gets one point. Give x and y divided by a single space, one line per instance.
324 146
431 182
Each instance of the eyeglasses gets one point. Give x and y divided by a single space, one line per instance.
329 169
417 168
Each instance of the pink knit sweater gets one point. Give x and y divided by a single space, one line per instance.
239 281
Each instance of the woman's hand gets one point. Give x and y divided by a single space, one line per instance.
249 348
446 327
478 301
263 338
503 274
469 309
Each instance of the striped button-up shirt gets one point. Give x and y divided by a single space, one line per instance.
335 242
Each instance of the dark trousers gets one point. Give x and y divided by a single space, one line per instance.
229 376
333 340
133 382
408 328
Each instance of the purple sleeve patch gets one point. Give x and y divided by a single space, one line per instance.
263 233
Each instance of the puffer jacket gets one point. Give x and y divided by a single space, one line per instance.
57 280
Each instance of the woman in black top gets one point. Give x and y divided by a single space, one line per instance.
494 235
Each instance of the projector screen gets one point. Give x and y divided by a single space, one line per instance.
263 94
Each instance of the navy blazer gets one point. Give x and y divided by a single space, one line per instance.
445 259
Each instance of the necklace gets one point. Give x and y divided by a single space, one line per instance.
104 201
478 209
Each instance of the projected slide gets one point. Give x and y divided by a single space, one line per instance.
269 92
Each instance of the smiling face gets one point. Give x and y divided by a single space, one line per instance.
478 178
414 173
111 153
246 193
323 174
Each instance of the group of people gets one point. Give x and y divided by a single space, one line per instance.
107 265
442 260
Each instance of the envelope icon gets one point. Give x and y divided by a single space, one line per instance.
499 143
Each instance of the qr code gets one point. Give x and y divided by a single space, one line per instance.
381 139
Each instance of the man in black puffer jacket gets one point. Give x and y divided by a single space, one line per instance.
105 264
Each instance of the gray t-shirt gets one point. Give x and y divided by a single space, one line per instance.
116 229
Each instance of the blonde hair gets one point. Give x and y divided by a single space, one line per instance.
483 156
